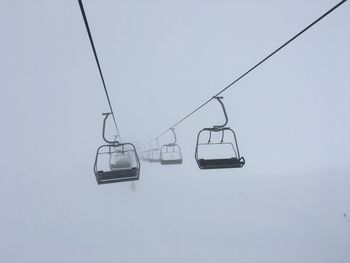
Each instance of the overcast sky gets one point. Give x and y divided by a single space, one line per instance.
161 59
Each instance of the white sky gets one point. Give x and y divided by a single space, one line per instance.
161 59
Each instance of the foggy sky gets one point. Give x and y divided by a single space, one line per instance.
162 59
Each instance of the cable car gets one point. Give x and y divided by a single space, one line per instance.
115 161
154 153
171 153
221 153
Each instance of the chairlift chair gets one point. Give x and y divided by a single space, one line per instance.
147 155
115 161
233 160
154 156
144 156
154 153
171 153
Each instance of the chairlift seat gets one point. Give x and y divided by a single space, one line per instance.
221 163
171 161
119 175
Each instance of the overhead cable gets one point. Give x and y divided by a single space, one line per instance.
254 67
98 63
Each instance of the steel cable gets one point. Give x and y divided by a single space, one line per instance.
254 67
98 63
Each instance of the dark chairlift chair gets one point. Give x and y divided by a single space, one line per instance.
171 153
234 160
123 163
154 153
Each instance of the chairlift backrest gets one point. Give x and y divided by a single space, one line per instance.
121 162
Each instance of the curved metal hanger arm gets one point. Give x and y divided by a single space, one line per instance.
106 114
219 99
175 139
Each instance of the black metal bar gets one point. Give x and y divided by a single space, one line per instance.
219 99
97 62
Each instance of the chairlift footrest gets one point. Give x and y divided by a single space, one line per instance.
115 176
221 163
166 162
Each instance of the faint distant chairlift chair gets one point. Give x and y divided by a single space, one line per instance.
171 153
147 156
234 160
123 162
144 156
154 153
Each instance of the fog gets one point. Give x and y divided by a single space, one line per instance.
162 59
